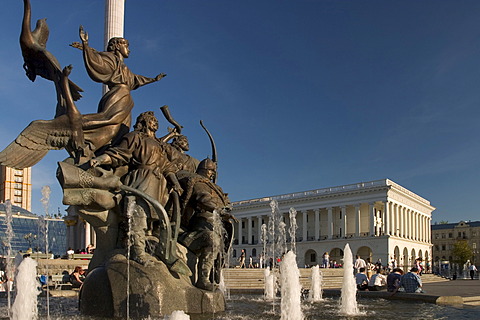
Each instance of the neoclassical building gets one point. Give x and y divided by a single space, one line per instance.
378 219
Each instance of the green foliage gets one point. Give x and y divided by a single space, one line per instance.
461 252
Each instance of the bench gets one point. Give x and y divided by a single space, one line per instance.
81 256
56 281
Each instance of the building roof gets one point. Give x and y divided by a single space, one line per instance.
444 226
17 211
361 186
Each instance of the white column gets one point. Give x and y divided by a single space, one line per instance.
357 221
344 221
371 210
386 218
429 230
417 226
87 239
249 230
317 224
259 229
397 219
330 223
411 222
408 224
304 225
239 233
425 229
401 219
114 17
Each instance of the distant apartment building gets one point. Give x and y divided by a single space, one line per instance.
378 219
445 235
16 186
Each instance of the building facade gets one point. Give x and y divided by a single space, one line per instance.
29 232
16 186
445 235
378 219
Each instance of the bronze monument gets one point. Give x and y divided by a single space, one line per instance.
161 222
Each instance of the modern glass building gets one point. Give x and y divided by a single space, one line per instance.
29 232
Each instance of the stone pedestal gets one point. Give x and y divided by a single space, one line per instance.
152 290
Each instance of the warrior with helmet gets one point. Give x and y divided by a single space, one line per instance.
206 210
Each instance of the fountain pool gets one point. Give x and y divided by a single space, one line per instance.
255 307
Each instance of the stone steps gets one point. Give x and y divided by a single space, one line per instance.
471 301
249 279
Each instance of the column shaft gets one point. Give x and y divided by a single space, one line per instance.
330 223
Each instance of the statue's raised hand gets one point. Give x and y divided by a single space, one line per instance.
83 35
160 76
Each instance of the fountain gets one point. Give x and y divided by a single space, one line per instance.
292 230
315 293
9 237
270 290
291 308
25 305
348 299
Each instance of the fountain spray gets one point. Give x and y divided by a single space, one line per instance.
348 299
292 230
43 226
9 236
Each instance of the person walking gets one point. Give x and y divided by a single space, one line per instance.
472 269
242 259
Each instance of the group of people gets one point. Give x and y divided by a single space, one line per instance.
373 277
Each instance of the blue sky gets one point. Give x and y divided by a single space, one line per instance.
299 95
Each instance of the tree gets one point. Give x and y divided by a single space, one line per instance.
461 252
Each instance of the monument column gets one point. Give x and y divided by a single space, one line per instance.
330 223
317 224
114 17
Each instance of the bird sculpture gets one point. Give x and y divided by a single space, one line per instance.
38 61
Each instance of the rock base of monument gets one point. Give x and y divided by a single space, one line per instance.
153 290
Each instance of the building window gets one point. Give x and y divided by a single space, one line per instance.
436 247
18 192
17 186
443 235
234 253
18 172
474 233
443 247
313 257
253 223
254 252
436 236
243 224
18 179
474 245
18 199
450 235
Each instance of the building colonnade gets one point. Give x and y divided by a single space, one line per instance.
345 221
